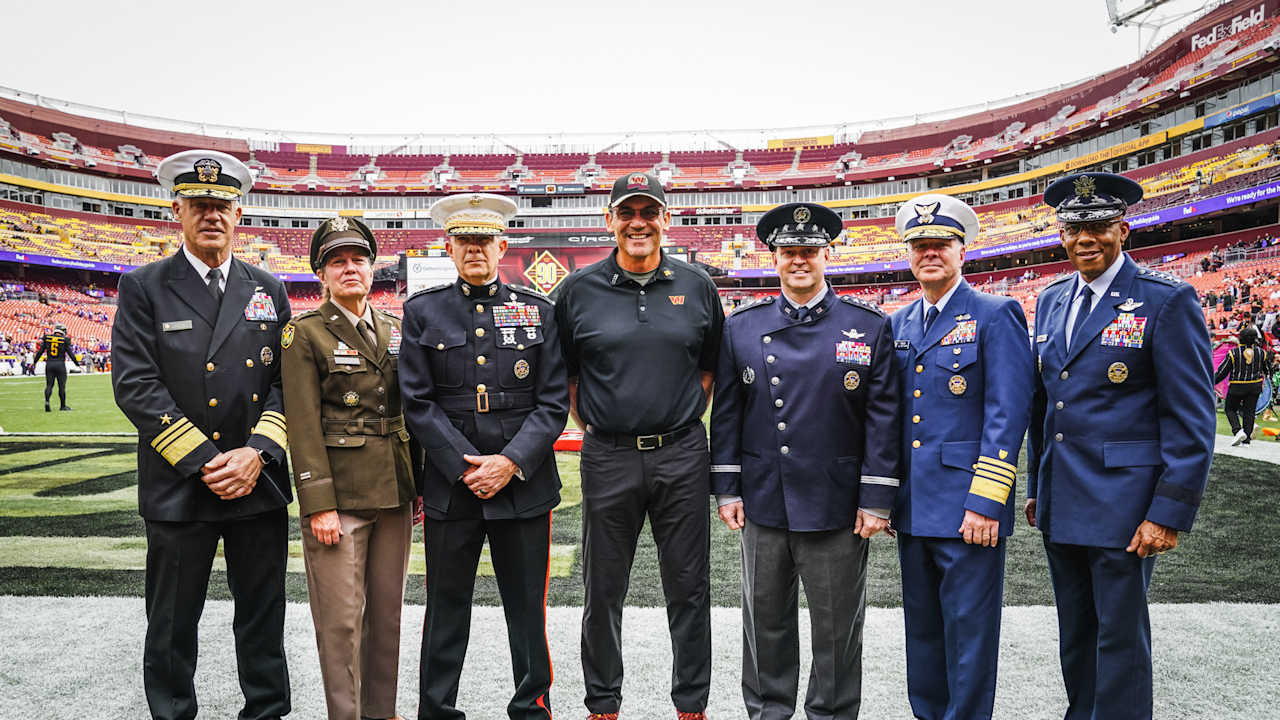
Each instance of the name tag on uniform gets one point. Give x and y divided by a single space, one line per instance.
1125 331
964 332
1042 338
345 360
901 344
260 308
176 325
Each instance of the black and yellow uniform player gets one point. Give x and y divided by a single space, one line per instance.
55 348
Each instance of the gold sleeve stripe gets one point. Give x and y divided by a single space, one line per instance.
985 473
177 446
272 426
1012 469
989 489
997 470
171 432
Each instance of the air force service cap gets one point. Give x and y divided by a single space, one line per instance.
1092 196
341 232
799 224
633 184
205 173
937 216
473 214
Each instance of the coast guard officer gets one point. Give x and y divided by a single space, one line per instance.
195 353
967 373
1121 438
805 461
486 394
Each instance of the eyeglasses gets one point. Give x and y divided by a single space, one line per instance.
1096 228
651 212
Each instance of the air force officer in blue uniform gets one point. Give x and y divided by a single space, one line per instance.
966 371
805 457
1121 438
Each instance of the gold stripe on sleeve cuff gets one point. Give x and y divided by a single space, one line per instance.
177 443
989 489
272 426
999 464
985 473
985 464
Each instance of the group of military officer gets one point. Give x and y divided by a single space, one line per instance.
831 422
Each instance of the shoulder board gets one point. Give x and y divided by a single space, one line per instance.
1159 276
387 313
1064 278
529 291
315 312
758 303
864 304
433 288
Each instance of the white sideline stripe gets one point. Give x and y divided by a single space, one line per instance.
42 671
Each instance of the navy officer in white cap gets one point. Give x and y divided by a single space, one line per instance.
804 460
195 351
1120 443
966 371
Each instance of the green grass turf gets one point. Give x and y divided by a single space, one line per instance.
22 403
69 527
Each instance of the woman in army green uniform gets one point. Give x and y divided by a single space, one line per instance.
351 465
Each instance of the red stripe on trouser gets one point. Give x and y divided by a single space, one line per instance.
546 583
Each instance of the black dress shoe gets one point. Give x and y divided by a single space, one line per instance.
65 408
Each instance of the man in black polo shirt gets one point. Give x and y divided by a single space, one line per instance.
640 333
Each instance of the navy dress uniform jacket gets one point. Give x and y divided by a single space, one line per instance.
804 424
479 376
1123 423
197 379
966 398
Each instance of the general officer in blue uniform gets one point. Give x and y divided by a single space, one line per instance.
805 461
486 395
967 371
1121 439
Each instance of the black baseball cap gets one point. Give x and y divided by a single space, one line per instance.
633 184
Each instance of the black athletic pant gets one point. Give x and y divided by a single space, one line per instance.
179 558
1241 402
672 487
55 370
520 552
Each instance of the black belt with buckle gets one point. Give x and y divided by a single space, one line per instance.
483 402
364 426
644 442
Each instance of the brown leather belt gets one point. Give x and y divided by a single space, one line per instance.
483 402
644 442
364 426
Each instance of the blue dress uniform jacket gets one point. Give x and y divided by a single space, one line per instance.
197 379
1123 423
482 374
805 420
966 398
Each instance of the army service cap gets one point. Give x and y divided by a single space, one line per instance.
938 216
473 214
799 224
341 232
633 184
1092 196
205 173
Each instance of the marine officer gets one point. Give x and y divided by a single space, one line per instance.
805 461
351 463
1121 438
194 360
485 393
967 374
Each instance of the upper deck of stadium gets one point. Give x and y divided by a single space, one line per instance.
1228 43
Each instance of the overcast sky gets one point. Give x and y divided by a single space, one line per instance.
558 66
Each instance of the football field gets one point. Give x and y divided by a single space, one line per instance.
72 550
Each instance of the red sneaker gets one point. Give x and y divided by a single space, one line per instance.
603 716
691 715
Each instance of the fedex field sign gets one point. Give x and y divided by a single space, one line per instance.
1224 30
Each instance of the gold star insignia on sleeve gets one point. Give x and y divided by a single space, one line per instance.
165 419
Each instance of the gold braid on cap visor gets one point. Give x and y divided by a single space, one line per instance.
222 192
933 231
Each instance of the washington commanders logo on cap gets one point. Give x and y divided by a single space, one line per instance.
475 201
637 181
924 213
208 169
801 215
339 224
1084 186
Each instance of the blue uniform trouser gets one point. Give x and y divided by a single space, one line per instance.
952 595
1104 630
